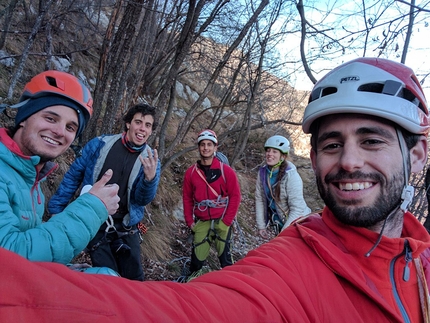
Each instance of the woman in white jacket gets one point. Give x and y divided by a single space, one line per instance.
279 189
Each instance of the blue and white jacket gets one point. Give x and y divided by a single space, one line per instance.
86 169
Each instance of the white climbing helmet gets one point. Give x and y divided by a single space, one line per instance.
372 86
278 142
207 135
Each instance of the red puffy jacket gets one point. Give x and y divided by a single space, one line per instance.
307 274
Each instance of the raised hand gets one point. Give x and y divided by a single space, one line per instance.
149 164
108 194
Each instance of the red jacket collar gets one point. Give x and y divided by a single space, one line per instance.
10 143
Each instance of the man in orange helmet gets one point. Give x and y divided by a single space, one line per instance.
53 110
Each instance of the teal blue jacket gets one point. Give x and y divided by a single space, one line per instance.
22 205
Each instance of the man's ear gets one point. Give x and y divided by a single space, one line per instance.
313 159
418 155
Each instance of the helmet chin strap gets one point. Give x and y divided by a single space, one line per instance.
408 190
407 193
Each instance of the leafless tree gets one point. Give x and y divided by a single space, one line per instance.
22 61
7 13
382 29
221 64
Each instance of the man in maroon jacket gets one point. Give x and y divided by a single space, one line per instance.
364 259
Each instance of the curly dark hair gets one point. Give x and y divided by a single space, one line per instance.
144 109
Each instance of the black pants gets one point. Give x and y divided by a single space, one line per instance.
126 262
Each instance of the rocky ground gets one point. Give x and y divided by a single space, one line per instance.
180 254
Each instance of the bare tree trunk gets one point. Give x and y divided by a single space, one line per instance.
7 20
301 11
48 45
122 47
254 93
168 91
183 128
409 32
42 12
103 73
227 98
141 53
185 124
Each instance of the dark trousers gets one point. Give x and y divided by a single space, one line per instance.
126 262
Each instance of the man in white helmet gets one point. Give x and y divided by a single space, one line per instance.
211 198
364 259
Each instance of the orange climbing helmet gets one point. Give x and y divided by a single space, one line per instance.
55 88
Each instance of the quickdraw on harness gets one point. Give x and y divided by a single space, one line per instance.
110 228
220 202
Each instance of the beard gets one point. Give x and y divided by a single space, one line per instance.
363 216
30 147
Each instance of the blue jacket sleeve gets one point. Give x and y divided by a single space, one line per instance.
73 178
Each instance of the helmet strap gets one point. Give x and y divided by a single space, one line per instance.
408 190
407 193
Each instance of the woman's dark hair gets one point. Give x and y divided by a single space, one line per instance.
144 109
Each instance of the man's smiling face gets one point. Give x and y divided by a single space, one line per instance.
48 133
358 167
139 129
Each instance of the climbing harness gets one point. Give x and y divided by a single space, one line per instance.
220 202
110 228
214 232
